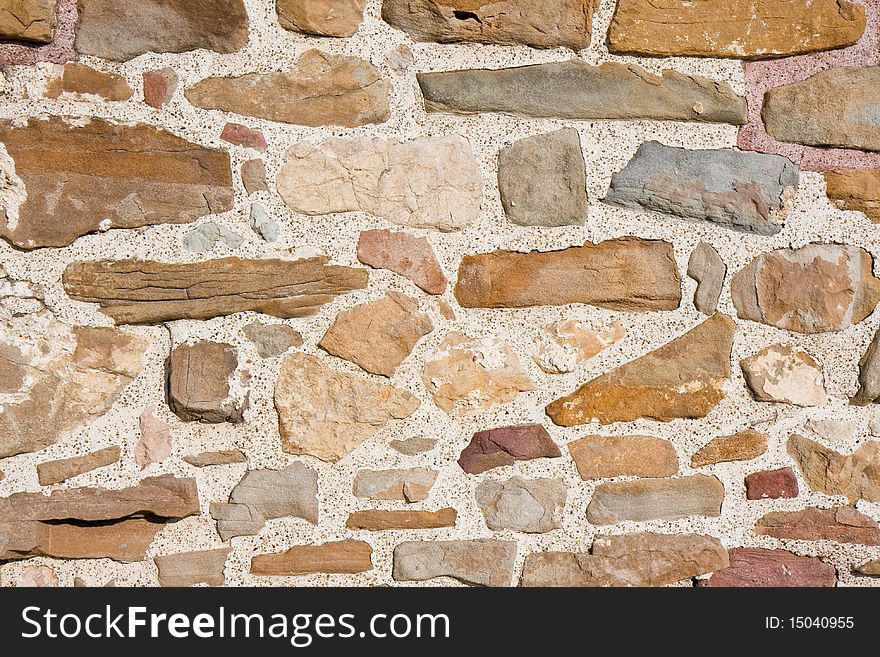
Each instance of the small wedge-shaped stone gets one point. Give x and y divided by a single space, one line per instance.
191 568
707 268
855 189
332 18
745 191
642 559
603 457
813 289
146 292
836 107
221 457
411 485
495 448
741 29
28 20
323 89
576 90
199 377
842 524
869 374
81 179
343 557
563 23
78 82
327 414
404 254
627 273
432 182
522 505
656 499
742 446
482 562
54 472
870 568
856 476
377 520
682 379
780 373
758 567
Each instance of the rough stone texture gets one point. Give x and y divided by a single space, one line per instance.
856 476
831 429
327 414
331 18
682 379
742 446
433 182
236 520
413 446
562 346
869 374
199 377
482 562
655 499
707 268
376 520
751 192
813 289
160 86
154 444
28 20
579 91
543 180
221 457
468 375
379 335
532 506
120 31
241 135
144 292
772 485
323 89
565 23
643 559
253 175
191 568
94 175
627 273
262 224
758 567
208 236
411 257
59 49
603 457
54 472
335 557
853 189
871 568
495 448
38 577
81 82
272 340
412 485
842 524
780 373
743 29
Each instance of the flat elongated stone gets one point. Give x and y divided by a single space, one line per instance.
746 191
780 373
199 377
481 562
565 23
377 520
758 567
54 472
842 524
575 90
323 89
413 446
191 568
707 268
410 485
332 18
522 505
81 81
407 255
603 457
28 20
856 476
144 292
495 448
771 485
563 345
84 178
682 379
120 31
346 557
871 568
741 29
627 273
742 446
221 457
642 559
241 135
836 107
813 289
655 499
855 189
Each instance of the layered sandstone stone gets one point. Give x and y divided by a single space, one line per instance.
776 484
160 86
856 476
78 82
855 189
496 448
345 557
562 346
532 506
199 383
220 457
330 18
28 20
780 373
604 457
742 446
411 257
759 567
408 485
481 562
842 524
191 568
54 472
707 268
655 499
377 520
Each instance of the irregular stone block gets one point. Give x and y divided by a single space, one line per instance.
272 340
411 257
28 20
199 378
772 485
779 373
54 472
413 446
241 135
562 346
655 499
707 268
496 448
482 562
191 568
154 444
842 524
869 375
870 568
330 18
758 567
603 457
78 82
532 506
346 557
855 189
253 176
856 476
160 86
412 485
742 446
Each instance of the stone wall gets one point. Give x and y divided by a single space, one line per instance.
442 292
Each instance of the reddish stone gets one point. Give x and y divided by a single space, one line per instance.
59 51
772 485
757 567
495 448
241 135
159 86
842 524
409 256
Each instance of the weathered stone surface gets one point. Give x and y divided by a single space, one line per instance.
856 476
28 20
855 189
543 180
377 520
123 540
682 379
780 373
842 524
327 414
576 90
191 568
871 568
154 444
433 182
160 86
236 520
642 559
832 429
208 236
38 577
562 346
495 448
746 191
407 255
813 289
78 82
742 29
772 485
707 268
54 472
323 89
378 335
627 273
744 445
566 23
241 135
413 446
199 383
472 374
346 557
410 485
221 457
836 107
522 505
758 567
272 340
603 457
145 292
253 176
120 31
482 562
84 178
869 375
331 18
656 499
262 224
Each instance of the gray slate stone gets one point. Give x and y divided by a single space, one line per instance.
208 235
483 562
708 269
262 224
744 191
272 340
522 505
656 499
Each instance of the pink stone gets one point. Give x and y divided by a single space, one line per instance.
59 51
772 485
159 87
241 135
404 254
757 567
